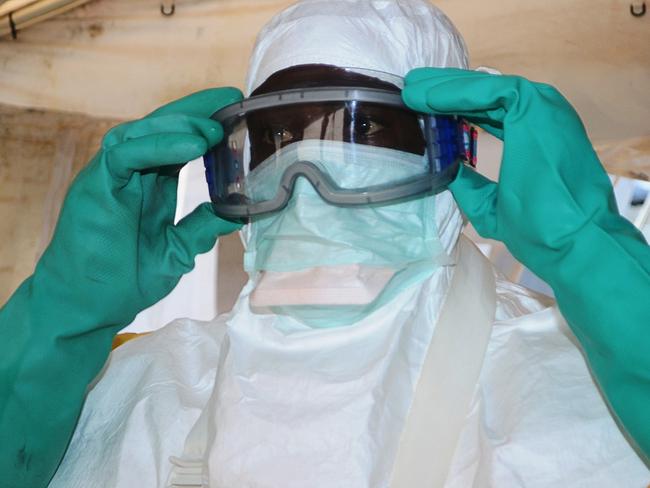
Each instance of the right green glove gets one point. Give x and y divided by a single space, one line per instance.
115 251
554 208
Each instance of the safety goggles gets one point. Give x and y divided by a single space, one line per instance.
355 146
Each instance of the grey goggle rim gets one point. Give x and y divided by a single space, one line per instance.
329 192
323 185
308 95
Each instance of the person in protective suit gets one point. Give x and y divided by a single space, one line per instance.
372 345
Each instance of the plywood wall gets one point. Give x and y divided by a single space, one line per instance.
40 152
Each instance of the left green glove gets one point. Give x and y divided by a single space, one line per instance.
115 252
554 208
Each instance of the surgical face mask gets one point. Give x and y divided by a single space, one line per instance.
308 233
349 165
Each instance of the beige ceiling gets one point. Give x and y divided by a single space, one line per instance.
122 58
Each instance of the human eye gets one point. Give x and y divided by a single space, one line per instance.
366 127
278 136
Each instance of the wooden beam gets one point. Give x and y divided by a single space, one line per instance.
13 5
629 158
35 13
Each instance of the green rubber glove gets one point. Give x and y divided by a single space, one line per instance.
554 209
115 251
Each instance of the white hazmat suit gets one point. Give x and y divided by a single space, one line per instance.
461 379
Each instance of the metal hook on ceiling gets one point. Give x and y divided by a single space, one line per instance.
165 12
638 13
12 26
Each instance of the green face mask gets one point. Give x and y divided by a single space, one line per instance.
309 233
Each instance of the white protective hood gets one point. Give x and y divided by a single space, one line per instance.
389 37
393 37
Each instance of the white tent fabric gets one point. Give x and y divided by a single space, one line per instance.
195 296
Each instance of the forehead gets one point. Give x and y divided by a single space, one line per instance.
317 75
